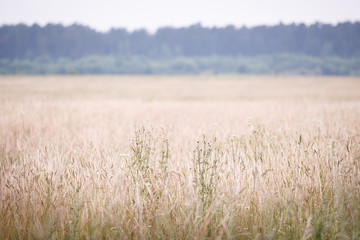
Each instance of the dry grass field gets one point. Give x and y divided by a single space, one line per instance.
217 157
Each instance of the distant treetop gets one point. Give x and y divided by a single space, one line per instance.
76 41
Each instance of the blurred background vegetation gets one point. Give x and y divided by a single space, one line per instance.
295 49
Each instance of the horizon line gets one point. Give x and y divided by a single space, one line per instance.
178 27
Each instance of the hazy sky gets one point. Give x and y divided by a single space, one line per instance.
151 14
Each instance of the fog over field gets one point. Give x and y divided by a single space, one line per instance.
256 37
179 157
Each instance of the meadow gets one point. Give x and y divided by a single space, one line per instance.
179 157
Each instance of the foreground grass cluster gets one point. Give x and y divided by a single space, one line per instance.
241 158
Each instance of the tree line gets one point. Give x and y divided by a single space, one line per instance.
56 41
282 64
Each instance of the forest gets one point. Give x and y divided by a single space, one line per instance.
316 49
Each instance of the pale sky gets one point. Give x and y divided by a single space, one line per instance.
152 14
